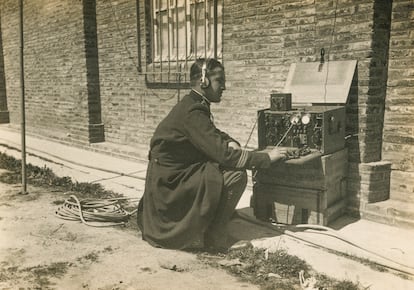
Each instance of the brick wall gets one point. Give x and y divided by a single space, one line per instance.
55 71
398 143
260 41
130 110
257 62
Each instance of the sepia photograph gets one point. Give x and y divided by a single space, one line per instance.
207 144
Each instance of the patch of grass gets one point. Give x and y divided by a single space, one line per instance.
373 265
278 270
258 265
56 270
44 176
8 273
108 249
58 202
324 280
92 257
42 273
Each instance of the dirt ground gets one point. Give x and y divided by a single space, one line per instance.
41 251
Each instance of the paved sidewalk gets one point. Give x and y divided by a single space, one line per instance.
120 175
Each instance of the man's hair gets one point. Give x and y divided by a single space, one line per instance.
197 67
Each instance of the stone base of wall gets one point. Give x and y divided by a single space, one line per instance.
368 183
96 133
4 117
375 181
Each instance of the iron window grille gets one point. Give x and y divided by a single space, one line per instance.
179 32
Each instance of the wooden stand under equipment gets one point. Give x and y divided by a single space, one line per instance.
297 191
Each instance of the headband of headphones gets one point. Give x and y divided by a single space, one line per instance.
201 70
205 81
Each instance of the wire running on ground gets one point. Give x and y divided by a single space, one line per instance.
95 212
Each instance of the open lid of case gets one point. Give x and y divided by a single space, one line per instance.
320 83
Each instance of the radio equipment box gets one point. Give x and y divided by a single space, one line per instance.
316 127
309 118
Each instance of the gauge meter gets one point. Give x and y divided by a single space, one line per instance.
306 119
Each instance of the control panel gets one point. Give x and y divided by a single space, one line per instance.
321 128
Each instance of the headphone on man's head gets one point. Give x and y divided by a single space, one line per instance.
205 81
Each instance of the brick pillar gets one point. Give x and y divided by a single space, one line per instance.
4 113
398 145
95 126
369 177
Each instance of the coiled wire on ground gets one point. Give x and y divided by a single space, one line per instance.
95 212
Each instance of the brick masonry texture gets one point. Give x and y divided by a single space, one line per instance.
55 71
398 136
260 41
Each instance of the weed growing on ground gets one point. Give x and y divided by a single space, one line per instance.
44 176
38 276
278 270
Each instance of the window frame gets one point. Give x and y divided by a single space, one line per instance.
169 64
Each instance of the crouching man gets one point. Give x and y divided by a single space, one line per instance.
196 173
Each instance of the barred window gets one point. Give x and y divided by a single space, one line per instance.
181 31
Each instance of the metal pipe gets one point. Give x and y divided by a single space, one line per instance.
22 103
176 37
205 27
187 24
195 29
169 31
215 27
152 35
160 36
139 36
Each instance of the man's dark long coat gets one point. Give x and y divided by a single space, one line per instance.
184 179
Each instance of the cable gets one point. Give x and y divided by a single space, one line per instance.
251 133
407 269
330 232
329 50
95 212
284 136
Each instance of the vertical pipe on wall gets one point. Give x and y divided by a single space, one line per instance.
205 27
187 26
160 35
195 30
22 102
139 68
169 32
176 40
215 28
153 37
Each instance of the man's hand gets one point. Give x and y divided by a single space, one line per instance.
233 145
278 153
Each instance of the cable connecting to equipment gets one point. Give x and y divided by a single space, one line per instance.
377 258
95 212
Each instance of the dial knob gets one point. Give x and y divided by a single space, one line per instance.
295 119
